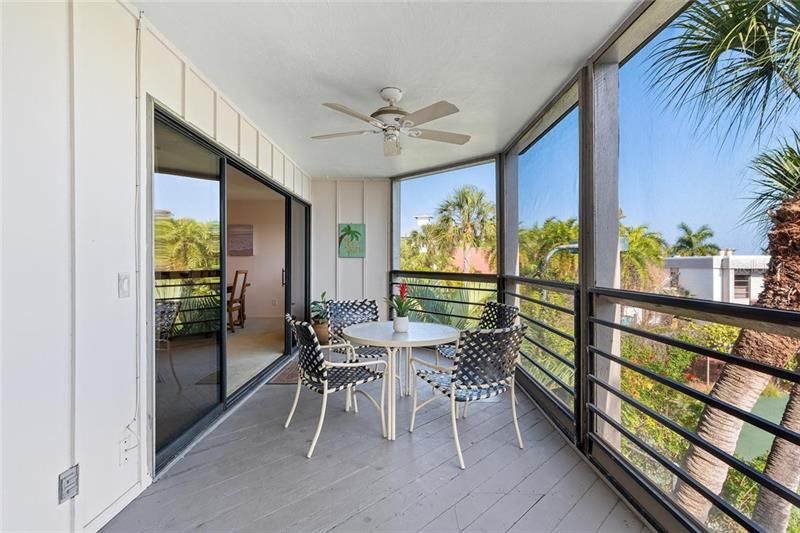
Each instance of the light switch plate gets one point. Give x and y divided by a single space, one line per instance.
123 285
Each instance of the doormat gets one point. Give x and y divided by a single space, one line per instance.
287 376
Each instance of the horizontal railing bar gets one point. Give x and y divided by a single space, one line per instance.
215 308
187 274
480 289
750 418
549 374
727 508
560 308
726 458
167 298
655 492
548 327
561 286
701 350
451 276
442 314
424 298
192 284
778 321
550 351
182 323
544 390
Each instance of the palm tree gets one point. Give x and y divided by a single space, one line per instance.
537 242
465 219
694 243
643 255
423 249
186 244
735 64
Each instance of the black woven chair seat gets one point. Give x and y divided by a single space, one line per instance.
442 381
341 378
364 352
447 350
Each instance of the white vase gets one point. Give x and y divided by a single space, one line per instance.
400 324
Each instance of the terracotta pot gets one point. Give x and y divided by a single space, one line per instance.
322 332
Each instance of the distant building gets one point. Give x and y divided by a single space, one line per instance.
723 278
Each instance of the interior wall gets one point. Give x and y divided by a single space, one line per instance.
265 296
75 374
351 201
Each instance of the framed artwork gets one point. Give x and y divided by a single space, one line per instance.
352 240
240 240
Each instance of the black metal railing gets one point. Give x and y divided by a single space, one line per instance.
454 299
198 293
549 355
646 438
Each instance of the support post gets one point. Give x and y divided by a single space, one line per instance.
599 238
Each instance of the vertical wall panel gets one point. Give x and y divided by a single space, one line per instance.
323 239
289 175
248 142
278 166
227 125
162 72
105 218
264 155
200 103
350 209
36 240
377 208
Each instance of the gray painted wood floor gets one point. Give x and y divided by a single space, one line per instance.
250 474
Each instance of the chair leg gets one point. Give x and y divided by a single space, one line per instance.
347 400
465 409
294 403
321 420
383 416
514 412
413 406
455 429
355 399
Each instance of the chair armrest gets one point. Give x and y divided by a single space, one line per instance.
433 366
331 364
336 345
338 339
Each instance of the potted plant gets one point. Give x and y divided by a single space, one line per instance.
319 318
402 305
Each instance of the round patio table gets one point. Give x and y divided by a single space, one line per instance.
382 334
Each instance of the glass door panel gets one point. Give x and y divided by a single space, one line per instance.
188 319
299 260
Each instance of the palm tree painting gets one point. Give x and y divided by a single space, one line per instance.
352 240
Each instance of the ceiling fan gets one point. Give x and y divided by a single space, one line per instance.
393 122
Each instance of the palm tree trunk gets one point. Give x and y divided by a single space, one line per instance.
783 465
736 385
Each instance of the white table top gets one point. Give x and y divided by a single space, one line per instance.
382 334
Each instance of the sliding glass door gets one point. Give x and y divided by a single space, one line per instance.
188 321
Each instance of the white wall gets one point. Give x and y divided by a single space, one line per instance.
75 374
343 201
268 218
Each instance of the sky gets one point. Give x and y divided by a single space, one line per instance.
671 171
187 197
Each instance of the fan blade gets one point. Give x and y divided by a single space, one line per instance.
428 114
391 147
360 116
441 136
343 134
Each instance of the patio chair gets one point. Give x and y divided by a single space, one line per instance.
495 315
236 302
165 315
326 377
343 313
483 367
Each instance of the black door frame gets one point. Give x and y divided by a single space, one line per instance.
172 450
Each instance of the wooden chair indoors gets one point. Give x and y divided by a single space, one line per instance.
236 301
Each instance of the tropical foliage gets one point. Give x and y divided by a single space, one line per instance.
694 242
186 244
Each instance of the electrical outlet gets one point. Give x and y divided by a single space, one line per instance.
124 452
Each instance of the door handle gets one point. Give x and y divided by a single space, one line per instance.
283 277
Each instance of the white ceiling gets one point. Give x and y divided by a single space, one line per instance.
240 186
498 62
